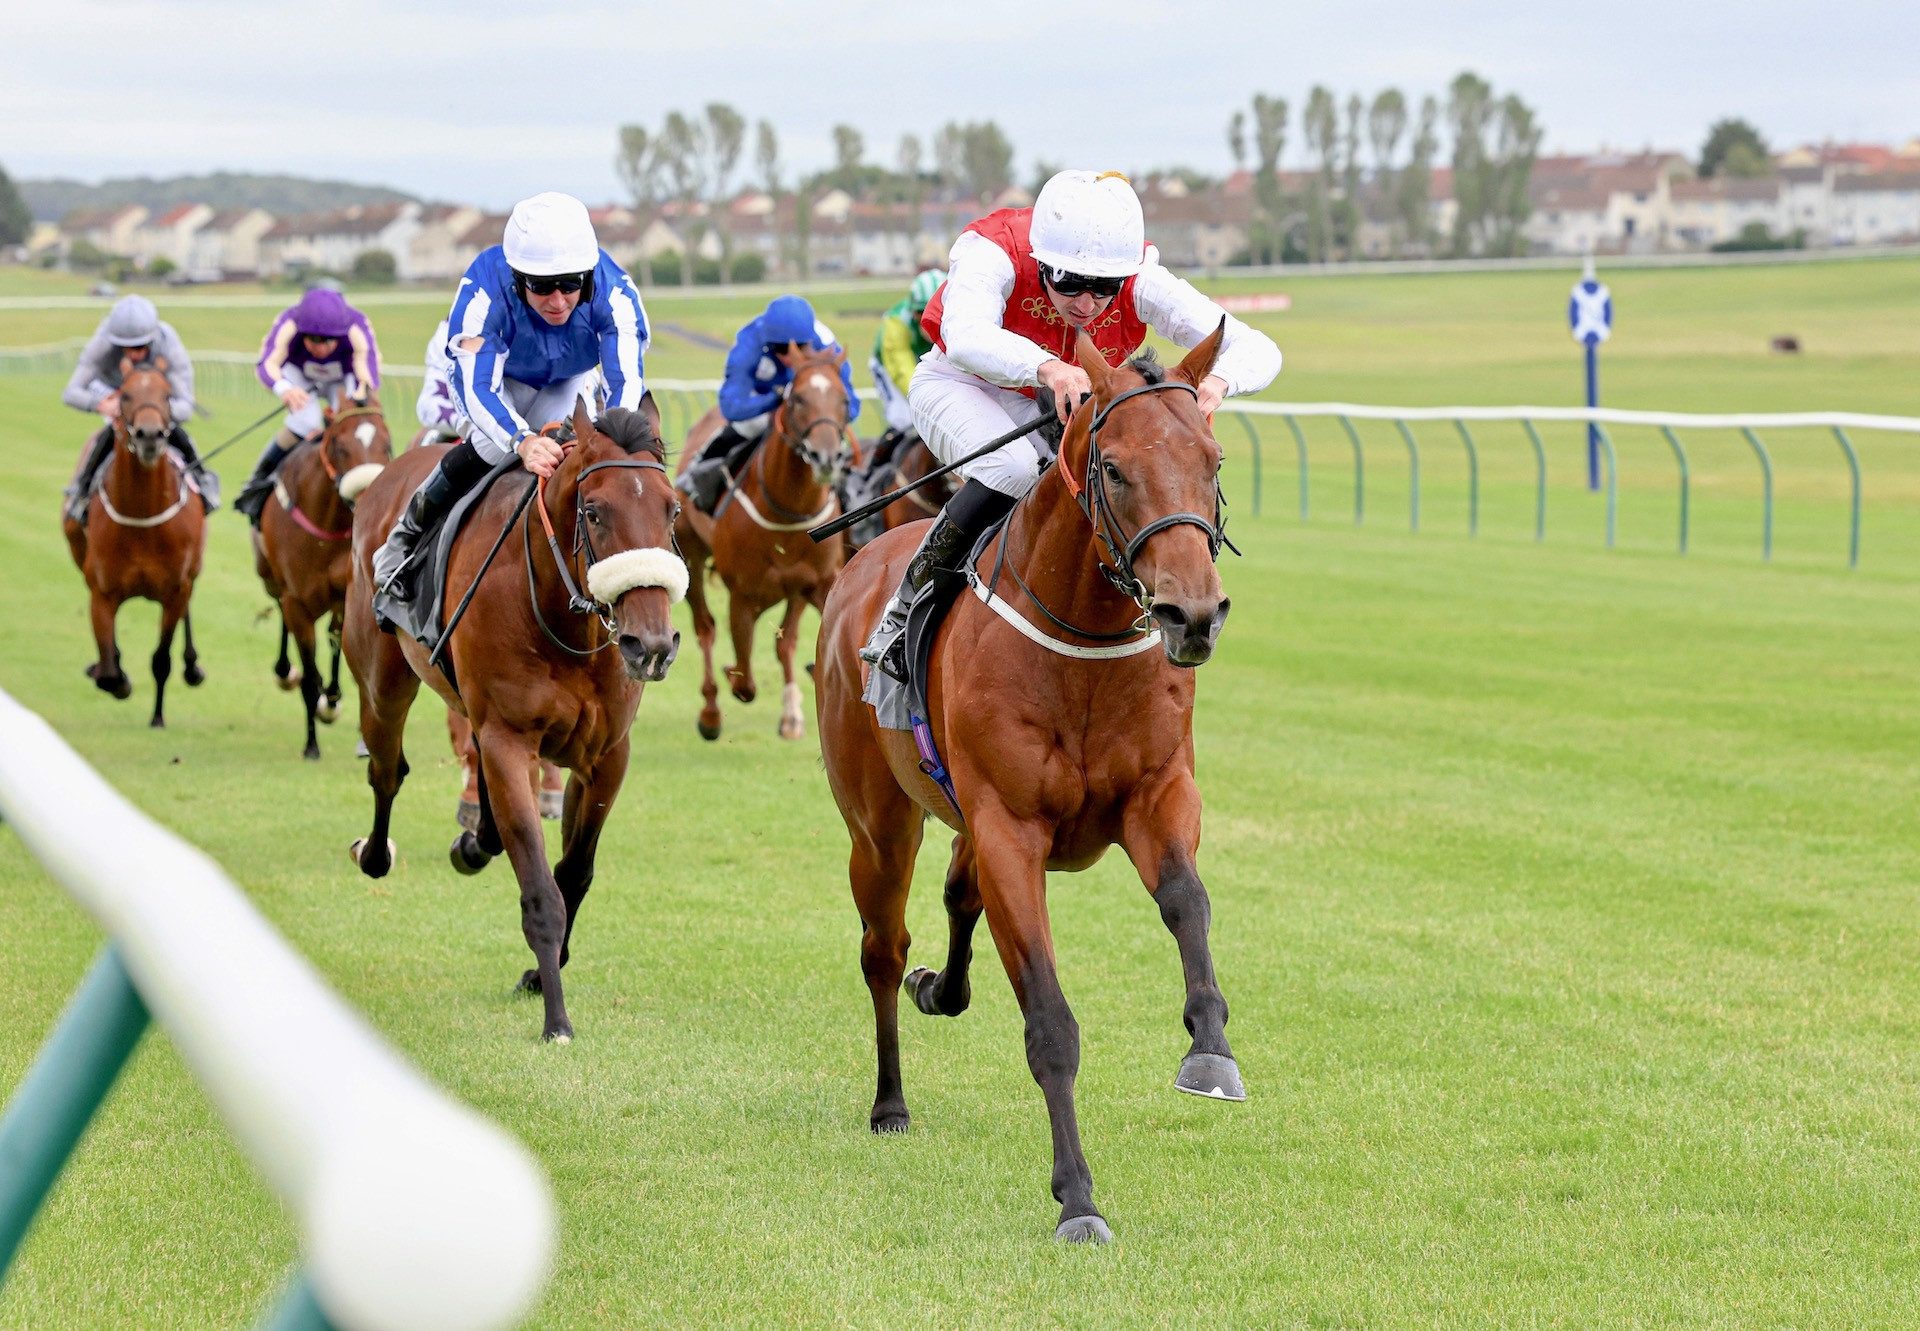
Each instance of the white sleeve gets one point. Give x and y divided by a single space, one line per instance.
1248 358
979 282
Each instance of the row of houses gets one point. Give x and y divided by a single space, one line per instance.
1645 202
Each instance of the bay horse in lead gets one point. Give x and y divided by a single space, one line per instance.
1060 696
563 630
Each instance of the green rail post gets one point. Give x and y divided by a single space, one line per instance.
66 1084
1540 486
1766 492
1300 450
1853 464
297 1310
1473 478
1413 473
1680 456
1253 436
1613 481
1359 472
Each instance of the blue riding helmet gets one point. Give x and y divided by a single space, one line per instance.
788 319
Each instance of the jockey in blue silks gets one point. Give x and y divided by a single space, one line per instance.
759 368
540 319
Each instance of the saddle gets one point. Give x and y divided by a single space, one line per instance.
419 615
897 702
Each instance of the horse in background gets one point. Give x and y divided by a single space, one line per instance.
144 537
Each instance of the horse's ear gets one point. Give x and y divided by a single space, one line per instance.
582 419
650 413
1093 363
326 412
126 366
160 364
1198 363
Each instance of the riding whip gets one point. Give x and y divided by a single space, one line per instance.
243 434
446 634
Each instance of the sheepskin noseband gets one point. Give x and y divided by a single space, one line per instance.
357 479
651 567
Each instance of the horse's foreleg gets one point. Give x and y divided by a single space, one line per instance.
947 992
1161 834
387 689
329 709
171 613
282 666
190 658
504 757
1010 855
589 804
296 620
881 872
792 724
742 616
107 675
703 629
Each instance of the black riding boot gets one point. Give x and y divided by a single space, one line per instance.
394 567
704 481
936 565
253 495
204 480
80 493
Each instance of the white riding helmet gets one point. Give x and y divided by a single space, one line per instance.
133 322
550 235
1089 222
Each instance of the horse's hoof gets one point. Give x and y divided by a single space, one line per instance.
467 856
158 723
920 984
311 753
888 1121
561 1032
709 731
468 815
121 688
327 711
746 693
373 866
1215 1076
529 983
1083 1229
194 676
360 750
289 681
93 670
553 803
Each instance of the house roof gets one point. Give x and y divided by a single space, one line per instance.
89 219
174 215
1878 182
1732 189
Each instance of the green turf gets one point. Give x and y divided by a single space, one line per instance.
1563 899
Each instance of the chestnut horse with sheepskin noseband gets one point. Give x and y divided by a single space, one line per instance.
302 549
561 633
1060 696
144 537
758 543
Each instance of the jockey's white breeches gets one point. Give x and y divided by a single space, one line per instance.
892 399
308 420
537 407
956 412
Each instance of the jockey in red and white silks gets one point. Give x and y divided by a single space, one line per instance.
1021 283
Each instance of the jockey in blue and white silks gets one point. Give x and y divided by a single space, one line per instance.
759 368
540 319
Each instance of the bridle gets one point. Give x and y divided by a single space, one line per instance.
800 441
130 412
577 602
320 443
1091 495
326 461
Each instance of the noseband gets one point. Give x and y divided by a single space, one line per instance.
578 602
1092 497
798 441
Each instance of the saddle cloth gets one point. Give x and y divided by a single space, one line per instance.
420 614
895 703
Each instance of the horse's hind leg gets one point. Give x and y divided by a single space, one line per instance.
742 615
282 667
192 674
946 993
1162 839
171 612
881 871
474 850
504 757
295 618
589 801
703 629
329 709
792 724
106 673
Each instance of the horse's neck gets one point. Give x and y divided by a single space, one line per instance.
315 492
789 481
130 483
1052 547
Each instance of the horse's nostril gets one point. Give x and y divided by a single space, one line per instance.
1172 618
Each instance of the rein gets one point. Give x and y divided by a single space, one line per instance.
577 602
166 514
287 501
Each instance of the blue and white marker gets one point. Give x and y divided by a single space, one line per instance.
1590 315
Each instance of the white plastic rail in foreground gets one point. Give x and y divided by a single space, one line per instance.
414 1211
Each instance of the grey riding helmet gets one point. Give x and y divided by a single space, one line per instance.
133 322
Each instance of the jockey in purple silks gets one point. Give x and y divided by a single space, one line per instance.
316 353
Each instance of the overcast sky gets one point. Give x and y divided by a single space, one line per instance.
486 101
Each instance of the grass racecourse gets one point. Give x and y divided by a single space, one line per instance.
1564 898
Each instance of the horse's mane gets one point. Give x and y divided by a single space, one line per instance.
630 430
1147 365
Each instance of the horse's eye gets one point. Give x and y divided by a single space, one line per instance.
593 514
1113 474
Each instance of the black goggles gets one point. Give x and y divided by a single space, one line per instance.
546 286
1076 284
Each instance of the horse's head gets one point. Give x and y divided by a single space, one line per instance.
355 446
813 418
624 507
146 413
1147 468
